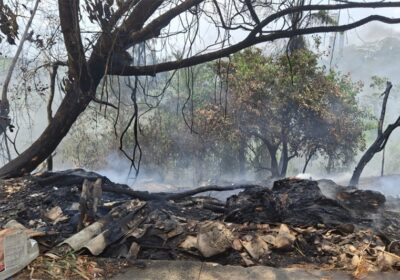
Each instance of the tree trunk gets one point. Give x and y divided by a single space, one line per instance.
242 156
84 77
385 95
376 147
382 119
53 75
383 163
5 120
308 159
380 141
284 160
274 166
272 150
330 165
4 97
71 107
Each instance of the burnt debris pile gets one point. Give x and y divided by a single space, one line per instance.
293 222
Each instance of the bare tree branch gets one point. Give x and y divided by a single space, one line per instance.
152 70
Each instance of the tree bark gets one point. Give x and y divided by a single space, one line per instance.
242 155
382 119
71 107
380 141
284 160
272 150
385 95
330 165
80 90
53 75
5 120
308 159
383 163
274 162
4 98
376 147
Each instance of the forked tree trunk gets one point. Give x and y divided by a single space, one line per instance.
380 142
308 159
376 147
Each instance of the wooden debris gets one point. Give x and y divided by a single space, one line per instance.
285 239
89 202
213 238
288 225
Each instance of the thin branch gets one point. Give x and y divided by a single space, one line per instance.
152 29
17 54
252 11
385 95
152 70
95 99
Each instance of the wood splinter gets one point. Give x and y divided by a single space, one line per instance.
89 202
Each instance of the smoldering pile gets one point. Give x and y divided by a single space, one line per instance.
291 223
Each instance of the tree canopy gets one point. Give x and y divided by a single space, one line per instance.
94 38
294 107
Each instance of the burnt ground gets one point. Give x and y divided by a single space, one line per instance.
289 224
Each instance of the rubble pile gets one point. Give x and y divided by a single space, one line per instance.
293 223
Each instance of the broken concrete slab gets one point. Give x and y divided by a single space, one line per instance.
186 270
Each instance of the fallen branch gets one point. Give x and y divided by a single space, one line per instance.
215 188
76 178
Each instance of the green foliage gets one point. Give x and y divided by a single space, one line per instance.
378 83
240 113
292 100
